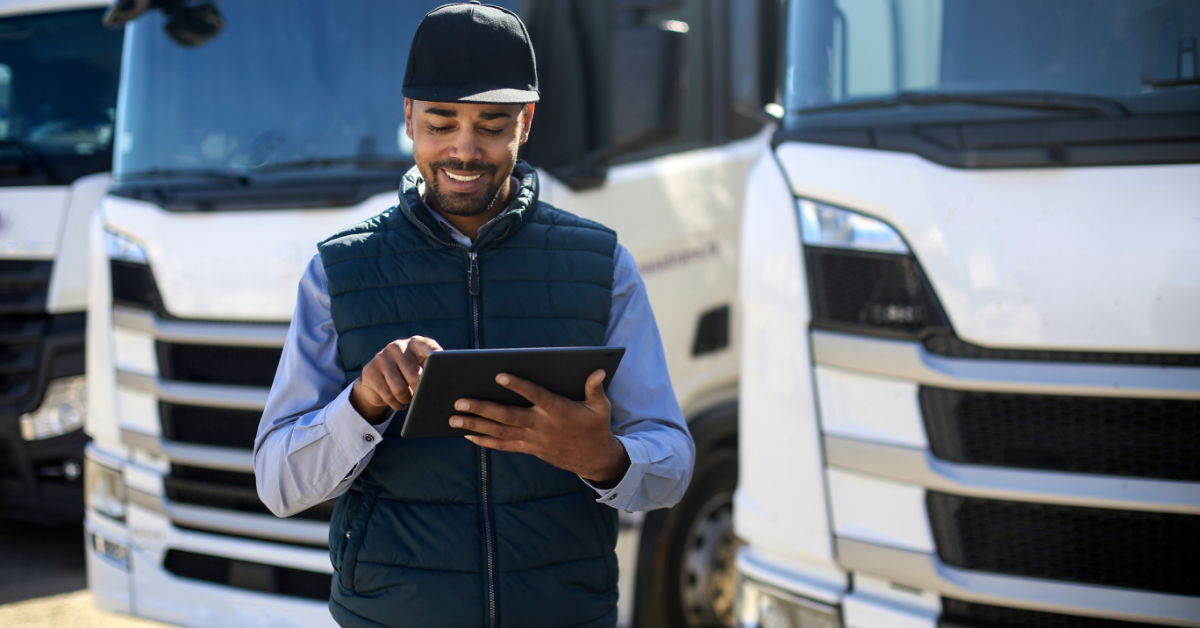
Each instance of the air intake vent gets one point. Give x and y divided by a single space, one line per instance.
1150 438
23 325
133 285
1136 550
247 575
960 614
218 364
205 425
873 293
226 490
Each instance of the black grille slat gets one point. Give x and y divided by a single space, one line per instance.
226 490
218 364
1150 438
1138 550
954 347
249 575
962 614
203 425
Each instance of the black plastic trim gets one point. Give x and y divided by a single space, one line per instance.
249 575
963 614
1049 143
309 193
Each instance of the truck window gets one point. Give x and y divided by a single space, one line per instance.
55 131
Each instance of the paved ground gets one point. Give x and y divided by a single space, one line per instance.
43 582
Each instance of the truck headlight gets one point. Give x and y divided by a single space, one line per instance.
103 489
762 606
862 276
124 249
62 410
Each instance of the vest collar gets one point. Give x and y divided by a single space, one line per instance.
519 212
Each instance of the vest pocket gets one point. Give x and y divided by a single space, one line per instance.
352 537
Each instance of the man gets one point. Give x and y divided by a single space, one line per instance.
516 526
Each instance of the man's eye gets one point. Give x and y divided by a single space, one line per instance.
491 131
438 129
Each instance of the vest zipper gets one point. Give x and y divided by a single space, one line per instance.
473 289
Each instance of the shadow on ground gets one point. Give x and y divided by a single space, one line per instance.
39 560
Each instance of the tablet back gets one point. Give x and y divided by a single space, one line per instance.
453 375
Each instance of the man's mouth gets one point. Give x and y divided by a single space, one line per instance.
462 178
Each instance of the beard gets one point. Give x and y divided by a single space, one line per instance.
456 203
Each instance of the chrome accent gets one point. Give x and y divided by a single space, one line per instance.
207 456
824 582
200 332
211 395
919 466
263 527
910 361
926 571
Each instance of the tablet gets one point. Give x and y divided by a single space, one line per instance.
471 374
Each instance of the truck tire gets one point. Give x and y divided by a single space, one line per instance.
686 569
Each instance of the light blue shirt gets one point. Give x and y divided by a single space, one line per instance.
312 443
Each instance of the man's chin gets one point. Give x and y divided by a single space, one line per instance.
462 205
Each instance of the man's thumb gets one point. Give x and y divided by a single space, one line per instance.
594 388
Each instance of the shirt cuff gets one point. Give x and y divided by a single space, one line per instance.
355 436
625 495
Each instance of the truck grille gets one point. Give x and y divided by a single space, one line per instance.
226 490
213 364
960 614
954 347
1150 438
23 323
247 575
221 427
1138 550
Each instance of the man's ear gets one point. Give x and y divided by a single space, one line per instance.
408 110
527 121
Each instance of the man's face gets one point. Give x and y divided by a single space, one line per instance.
466 152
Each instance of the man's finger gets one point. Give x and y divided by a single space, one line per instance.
536 395
594 389
420 347
499 412
495 443
485 426
396 384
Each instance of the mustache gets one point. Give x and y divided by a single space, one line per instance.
463 166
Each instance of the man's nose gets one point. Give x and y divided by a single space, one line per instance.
465 147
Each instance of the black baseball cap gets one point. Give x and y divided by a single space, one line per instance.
471 53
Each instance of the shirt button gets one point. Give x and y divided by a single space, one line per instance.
369 438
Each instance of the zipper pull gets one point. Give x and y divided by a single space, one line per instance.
473 275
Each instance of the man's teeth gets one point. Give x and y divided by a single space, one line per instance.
463 179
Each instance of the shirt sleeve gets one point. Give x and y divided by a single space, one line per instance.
311 442
645 413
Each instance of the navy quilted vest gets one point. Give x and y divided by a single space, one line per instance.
439 532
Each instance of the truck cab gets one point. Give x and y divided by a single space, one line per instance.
59 69
970 376
250 131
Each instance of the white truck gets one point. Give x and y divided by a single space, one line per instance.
58 92
970 286
250 130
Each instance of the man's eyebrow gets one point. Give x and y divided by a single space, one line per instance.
439 111
493 115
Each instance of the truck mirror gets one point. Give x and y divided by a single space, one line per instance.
647 86
122 11
186 25
754 53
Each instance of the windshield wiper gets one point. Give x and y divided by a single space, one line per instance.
33 157
185 174
1050 101
325 162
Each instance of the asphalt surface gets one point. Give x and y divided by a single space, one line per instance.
43 580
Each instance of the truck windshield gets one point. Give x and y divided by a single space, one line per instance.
58 93
304 86
939 59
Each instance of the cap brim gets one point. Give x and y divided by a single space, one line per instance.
471 93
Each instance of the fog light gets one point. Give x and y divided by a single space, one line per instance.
61 412
103 490
761 606
112 552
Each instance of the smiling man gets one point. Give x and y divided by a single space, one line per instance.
515 526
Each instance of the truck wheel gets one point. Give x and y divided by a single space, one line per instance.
694 550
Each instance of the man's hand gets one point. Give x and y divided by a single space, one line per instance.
388 380
571 435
